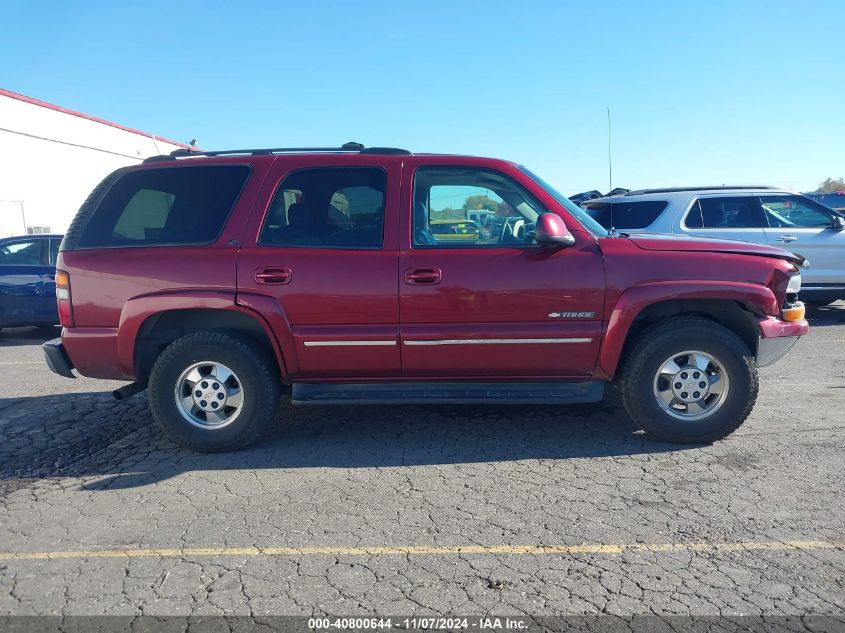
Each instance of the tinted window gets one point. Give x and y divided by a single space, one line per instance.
328 208
725 213
627 215
446 198
54 251
24 253
794 211
180 205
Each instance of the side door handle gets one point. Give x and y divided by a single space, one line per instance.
423 276
786 238
276 275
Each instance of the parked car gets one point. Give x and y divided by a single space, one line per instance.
202 278
480 216
455 230
27 280
835 200
764 215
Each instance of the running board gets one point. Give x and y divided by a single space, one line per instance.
448 393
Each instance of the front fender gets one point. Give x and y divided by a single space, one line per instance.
756 298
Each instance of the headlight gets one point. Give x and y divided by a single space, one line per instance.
794 285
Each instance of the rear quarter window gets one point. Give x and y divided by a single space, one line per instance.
627 215
167 206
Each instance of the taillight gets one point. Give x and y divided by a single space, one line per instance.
63 298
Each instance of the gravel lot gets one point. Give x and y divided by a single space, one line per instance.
423 510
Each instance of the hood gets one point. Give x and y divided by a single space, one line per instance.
651 242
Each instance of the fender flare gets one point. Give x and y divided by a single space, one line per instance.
755 297
138 310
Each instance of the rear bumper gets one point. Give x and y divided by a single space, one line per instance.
777 337
95 353
57 358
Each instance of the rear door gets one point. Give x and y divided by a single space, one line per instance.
494 304
802 226
726 217
24 269
323 269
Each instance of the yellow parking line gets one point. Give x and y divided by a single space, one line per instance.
535 550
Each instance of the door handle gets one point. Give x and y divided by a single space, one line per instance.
423 276
787 238
277 275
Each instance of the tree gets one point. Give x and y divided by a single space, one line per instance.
829 185
479 202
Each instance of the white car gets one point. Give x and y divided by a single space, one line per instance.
765 215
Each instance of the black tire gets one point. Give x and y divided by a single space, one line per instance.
255 370
674 336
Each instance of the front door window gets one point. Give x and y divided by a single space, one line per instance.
471 208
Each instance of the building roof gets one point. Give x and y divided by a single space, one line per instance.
52 106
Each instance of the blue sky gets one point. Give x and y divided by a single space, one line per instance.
700 92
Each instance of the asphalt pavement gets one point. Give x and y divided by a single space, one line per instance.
451 510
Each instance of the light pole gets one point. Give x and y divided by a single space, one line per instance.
23 214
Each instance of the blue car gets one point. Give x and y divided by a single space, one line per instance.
28 280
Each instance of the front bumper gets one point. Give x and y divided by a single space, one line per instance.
57 358
777 337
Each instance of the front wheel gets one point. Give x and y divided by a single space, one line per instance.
689 379
214 391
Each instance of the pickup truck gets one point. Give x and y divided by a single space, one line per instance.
222 281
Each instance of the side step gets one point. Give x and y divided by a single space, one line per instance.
448 393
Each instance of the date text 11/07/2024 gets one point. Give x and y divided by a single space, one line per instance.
427 623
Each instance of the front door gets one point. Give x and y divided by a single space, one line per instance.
479 298
327 258
803 226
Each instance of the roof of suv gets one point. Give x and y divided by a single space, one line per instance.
676 193
350 147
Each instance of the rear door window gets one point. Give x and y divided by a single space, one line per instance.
735 212
54 251
177 205
627 215
328 207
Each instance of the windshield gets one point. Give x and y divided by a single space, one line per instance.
577 212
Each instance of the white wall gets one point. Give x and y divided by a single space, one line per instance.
43 167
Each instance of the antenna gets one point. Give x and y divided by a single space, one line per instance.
612 231
609 155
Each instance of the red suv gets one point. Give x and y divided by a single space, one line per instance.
213 279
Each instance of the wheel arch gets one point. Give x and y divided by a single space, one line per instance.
144 332
736 306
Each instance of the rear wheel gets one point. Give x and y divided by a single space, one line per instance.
214 391
689 379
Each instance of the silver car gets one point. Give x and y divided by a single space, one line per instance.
765 215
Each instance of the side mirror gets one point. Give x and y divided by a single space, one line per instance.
838 223
551 231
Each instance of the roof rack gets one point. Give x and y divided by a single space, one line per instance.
351 147
711 188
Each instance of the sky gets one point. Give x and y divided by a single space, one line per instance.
700 92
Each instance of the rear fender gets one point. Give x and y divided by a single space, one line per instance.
139 309
754 297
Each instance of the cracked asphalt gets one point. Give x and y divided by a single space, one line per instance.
423 510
